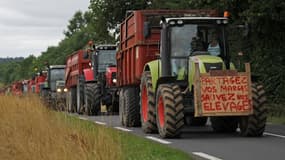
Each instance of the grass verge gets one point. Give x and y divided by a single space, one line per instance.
29 131
276 120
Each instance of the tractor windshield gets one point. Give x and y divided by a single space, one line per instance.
193 39
106 58
57 74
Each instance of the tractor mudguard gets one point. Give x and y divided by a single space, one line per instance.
88 74
154 68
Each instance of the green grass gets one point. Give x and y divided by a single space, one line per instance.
276 120
132 146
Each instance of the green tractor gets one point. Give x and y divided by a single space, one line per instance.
54 91
194 79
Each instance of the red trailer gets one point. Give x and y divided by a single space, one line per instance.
74 78
39 81
17 88
31 85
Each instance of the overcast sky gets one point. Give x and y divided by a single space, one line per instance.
30 26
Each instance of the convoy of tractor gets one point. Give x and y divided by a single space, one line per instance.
171 69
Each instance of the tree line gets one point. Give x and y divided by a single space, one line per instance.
263 46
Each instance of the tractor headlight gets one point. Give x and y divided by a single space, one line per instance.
58 90
65 90
114 80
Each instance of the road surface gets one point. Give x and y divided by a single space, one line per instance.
203 142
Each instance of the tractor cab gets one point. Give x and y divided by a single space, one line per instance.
190 40
104 64
55 78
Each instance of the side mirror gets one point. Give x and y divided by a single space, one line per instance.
85 55
146 29
245 29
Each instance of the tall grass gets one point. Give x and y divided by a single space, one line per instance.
30 131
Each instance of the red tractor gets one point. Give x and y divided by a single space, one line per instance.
91 78
100 81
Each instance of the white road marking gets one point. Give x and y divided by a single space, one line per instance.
83 118
101 123
269 134
207 156
158 140
123 129
274 135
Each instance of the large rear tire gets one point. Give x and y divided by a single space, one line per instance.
224 124
92 103
254 125
147 103
131 115
73 99
169 109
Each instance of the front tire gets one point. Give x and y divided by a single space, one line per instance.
254 125
169 109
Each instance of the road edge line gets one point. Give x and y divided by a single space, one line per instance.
123 129
205 156
83 118
158 140
274 135
101 123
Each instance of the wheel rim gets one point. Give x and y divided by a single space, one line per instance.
144 104
161 112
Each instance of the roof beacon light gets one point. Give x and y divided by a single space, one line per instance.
226 14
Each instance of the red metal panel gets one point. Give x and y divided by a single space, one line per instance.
135 50
75 64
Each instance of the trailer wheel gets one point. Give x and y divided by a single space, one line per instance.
122 106
68 101
131 111
169 109
80 94
73 99
254 125
147 103
224 124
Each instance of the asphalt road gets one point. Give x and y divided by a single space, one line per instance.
203 142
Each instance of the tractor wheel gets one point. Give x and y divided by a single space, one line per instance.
97 99
80 94
68 101
254 125
122 106
131 111
224 124
147 103
169 109
89 98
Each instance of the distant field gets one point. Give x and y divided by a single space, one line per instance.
29 131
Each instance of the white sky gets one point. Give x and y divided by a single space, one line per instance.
30 26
